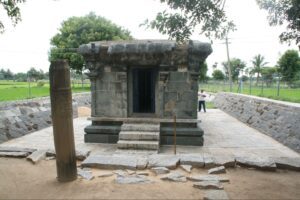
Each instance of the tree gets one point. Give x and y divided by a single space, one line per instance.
218 75
41 74
9 75
21 77
46 75
6 74
281 11
81 30
33 74
11 7
215 66
258 62
289 65
268 74
1 74
236 65
187 16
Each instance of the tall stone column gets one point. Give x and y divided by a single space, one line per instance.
61 110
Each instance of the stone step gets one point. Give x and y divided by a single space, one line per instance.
140 127
139 152
144 145
138 135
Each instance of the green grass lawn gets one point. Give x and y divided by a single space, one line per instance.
210 105
10 90
285 94
20 90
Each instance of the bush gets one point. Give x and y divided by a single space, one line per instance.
40 83
218 75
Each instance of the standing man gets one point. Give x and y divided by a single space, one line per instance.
202 97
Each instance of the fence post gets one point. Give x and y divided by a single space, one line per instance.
81 80
239 87
262 86
62 118
242 85
278 86
250 85
29 86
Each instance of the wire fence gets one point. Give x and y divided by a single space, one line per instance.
17 90
274 89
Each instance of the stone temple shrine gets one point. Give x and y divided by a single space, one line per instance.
139 86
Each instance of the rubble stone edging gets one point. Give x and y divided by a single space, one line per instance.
18 118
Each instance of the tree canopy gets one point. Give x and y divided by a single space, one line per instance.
236 65
281 11
11 7
218 75
6 74
268 74
258 62
289 66
186 16
36 74
81 30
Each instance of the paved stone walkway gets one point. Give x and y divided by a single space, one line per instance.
224 136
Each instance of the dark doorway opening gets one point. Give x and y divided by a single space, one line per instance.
143 90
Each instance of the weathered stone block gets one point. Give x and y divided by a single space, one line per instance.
85 174
187 168
16 149
208 178
217 170
226 161
110 162
14 154
37 156
160 170
215 185
175 177
167 161
258 163
287 163
132 179
192 159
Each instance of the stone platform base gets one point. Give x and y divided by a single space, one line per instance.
103 132
187 133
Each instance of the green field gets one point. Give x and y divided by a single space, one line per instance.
10 90
285 93
210 105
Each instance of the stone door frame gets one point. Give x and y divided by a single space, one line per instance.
130 92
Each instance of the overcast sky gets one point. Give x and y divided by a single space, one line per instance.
27 44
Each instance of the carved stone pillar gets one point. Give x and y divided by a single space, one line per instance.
62 117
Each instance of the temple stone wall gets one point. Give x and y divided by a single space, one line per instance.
280 120
19 118
110 90
180 96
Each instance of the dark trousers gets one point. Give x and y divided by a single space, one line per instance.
202 104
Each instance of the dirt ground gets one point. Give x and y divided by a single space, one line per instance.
20 179
84 111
